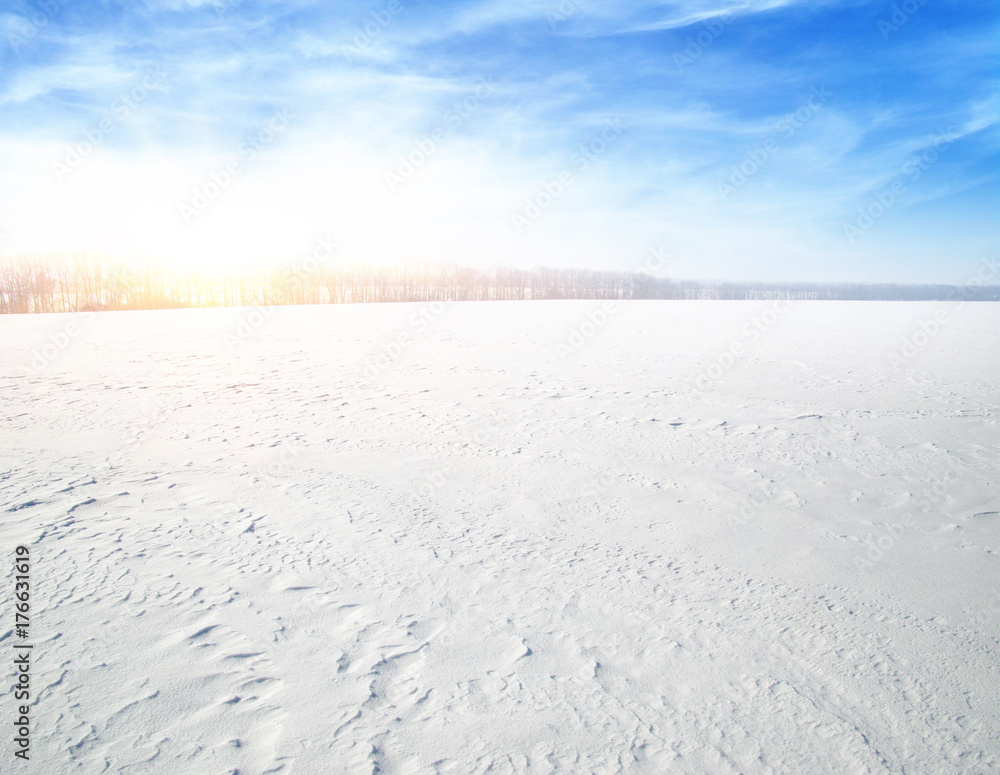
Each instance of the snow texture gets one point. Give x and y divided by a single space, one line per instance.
508 538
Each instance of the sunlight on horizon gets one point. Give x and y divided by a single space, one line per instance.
486 134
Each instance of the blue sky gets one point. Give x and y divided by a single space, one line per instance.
769 140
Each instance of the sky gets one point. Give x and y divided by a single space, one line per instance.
757 140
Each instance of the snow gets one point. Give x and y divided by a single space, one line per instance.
509 537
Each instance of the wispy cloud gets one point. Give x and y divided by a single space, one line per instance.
699 85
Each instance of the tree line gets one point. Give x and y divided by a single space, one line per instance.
90 282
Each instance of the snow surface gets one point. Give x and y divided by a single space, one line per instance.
527 542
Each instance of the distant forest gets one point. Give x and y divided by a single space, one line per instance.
91 283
